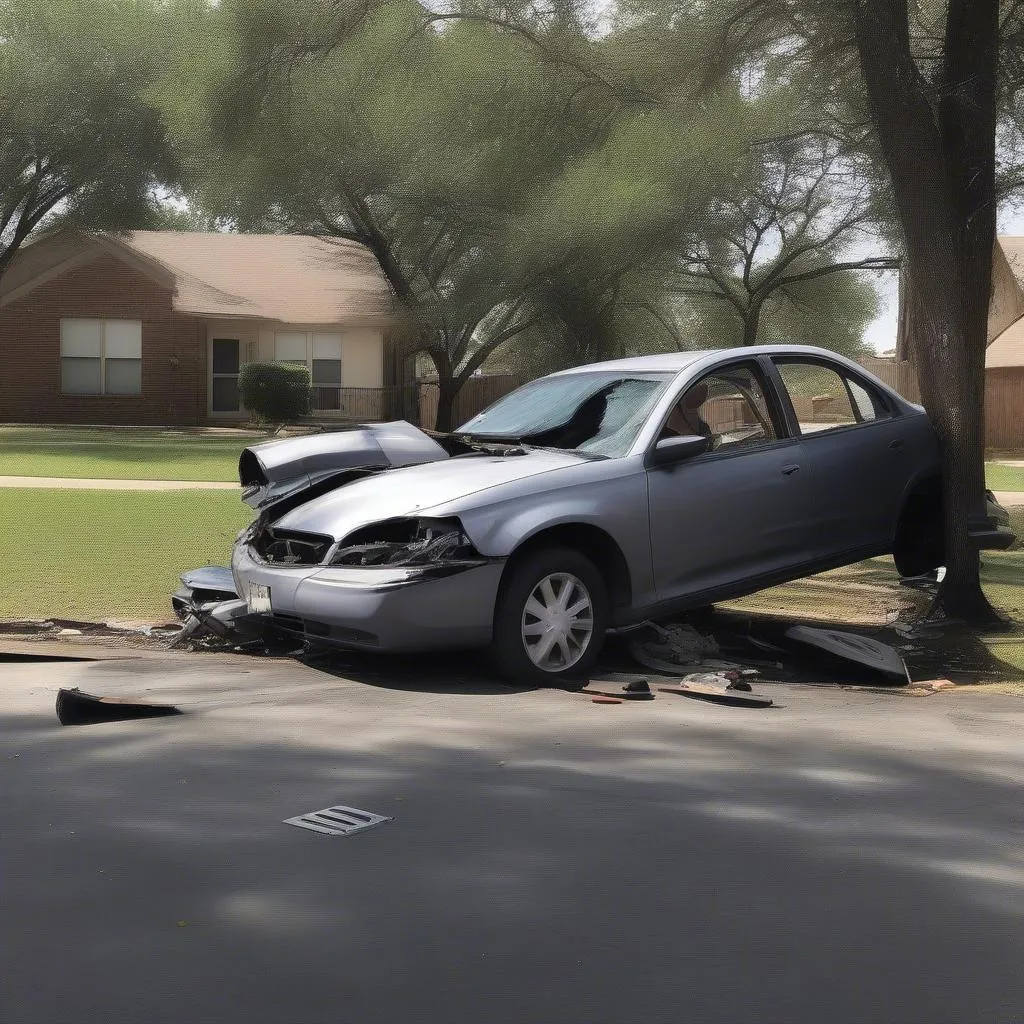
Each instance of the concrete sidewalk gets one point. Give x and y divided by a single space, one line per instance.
71 483
1007 498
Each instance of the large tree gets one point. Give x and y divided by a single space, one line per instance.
936 81
79 140
423 140
771 251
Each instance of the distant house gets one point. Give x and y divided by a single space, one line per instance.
1004 357
1006 310
152 327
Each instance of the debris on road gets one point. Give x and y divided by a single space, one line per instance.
635 689
338 820
75 707
623 693
851 646
677 649
717 694
604 699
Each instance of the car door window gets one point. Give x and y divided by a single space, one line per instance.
729 406
823 398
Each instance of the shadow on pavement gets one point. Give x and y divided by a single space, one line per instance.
546 863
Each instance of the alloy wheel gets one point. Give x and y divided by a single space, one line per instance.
557 622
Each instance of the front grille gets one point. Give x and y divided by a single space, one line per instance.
290 547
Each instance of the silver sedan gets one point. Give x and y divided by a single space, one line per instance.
591 499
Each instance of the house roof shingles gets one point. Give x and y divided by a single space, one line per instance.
297 279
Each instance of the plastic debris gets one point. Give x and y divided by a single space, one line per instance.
75 707
678 648
859 649
716 694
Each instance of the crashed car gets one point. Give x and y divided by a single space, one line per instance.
589 500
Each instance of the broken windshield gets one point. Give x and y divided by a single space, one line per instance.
599 413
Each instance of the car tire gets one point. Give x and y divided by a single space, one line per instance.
527 647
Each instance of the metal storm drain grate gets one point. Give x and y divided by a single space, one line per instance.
337 821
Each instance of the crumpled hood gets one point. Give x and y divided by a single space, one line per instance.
277 469
415 489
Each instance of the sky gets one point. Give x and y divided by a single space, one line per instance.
881 334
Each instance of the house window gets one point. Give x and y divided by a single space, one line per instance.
224 359
322 354
101 357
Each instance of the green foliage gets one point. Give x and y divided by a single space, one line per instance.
275 392
532 188
80 141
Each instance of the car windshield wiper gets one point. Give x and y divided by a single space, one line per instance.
489 439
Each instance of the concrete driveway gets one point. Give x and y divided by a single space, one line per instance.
845 857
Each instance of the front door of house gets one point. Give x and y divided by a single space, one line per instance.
224 363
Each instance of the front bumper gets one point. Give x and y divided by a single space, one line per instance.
428 614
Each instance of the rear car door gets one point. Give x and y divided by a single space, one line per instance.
737 512
858 450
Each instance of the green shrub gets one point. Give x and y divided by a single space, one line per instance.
275 392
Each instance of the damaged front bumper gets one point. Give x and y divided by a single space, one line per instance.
401 608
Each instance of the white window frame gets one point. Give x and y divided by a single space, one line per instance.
102 357
310 345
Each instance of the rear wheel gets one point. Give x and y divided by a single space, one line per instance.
551 617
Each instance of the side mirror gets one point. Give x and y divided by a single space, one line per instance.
670 450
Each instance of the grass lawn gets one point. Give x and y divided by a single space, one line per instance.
97 555
121 454
1004 478
869 594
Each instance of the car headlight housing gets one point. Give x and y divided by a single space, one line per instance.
402 549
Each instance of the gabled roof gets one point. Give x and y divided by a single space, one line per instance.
1013 249
298 279
1007 350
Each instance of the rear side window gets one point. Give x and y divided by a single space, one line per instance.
827 399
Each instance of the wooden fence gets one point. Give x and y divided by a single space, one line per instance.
1004 409
476 394
900 376
1004 398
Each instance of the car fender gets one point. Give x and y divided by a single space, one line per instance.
616 505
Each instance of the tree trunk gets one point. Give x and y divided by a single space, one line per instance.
447 391
941 158
751 322
952 389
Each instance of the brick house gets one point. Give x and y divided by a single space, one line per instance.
151 327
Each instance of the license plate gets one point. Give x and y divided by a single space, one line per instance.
259 599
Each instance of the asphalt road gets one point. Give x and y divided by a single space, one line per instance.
844 857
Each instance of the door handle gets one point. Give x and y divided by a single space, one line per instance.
896 444
790 470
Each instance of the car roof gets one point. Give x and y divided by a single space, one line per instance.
674 362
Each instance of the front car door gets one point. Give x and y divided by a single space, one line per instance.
736 516
856 445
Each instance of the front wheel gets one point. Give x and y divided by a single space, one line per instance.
551 617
